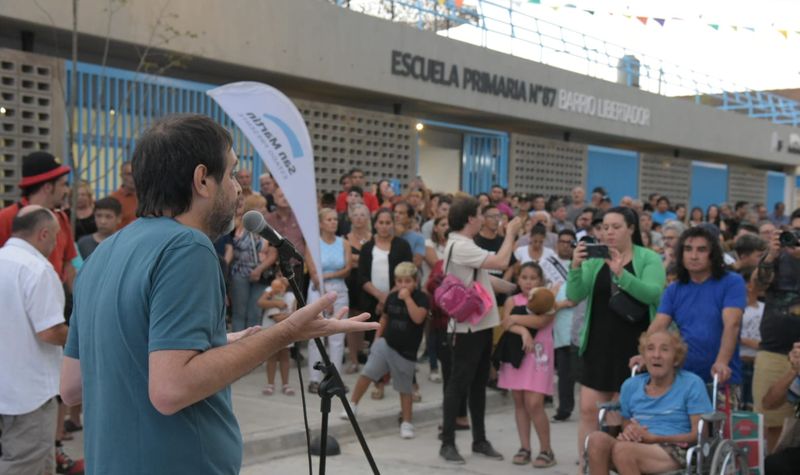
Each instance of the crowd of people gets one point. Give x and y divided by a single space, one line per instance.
687 294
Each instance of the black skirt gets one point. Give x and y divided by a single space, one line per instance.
612 340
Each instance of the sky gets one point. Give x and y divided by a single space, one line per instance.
754 44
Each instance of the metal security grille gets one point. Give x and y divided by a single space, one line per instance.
31 114
666 176
114 106
383 145
544 166
746 184
485 162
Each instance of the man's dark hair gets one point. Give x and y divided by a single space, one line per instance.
355 170
498 186
715 255
567 232
357 190
663 198
795 214
343 178
739 205
445 199
599 190
460 212
110 204
748 244
487 208
25 225
778 205
166 157
327 200
749 227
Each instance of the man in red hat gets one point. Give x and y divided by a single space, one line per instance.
44 183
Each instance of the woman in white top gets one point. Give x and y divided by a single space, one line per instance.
335 266
535 251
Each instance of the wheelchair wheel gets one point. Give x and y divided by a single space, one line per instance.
728 460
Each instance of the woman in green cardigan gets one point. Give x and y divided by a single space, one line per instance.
607 341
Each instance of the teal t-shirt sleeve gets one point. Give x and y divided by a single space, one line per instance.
71 348
183 314
735 292
697 401
666 305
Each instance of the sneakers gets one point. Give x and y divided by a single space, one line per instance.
65 464
435 377
450 454
343 414
407 430
485 448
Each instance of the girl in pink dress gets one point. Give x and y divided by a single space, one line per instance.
533 379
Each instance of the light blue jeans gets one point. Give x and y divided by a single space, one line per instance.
244 302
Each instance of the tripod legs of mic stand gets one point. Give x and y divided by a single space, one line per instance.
330 386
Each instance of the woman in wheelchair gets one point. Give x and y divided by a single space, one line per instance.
660 409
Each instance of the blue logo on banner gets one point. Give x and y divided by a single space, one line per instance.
294 142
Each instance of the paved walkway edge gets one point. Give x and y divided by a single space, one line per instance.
263 446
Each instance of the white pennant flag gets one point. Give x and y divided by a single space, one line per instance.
277 131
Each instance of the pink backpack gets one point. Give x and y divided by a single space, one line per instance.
463 303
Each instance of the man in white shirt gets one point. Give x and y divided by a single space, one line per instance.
32 332
472 348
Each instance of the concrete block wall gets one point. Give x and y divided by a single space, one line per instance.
32 114
665 175
550 167
746 184
383 145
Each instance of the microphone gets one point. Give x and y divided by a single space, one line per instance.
254 222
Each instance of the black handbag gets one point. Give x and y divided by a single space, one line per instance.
627 307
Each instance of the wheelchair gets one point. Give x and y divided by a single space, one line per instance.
712 455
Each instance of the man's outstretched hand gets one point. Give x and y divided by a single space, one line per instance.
308 322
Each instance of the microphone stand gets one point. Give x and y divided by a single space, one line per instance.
331 384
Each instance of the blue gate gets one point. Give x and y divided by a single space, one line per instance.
484 162
114 106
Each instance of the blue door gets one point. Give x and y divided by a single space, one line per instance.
615 170
709 184
776 189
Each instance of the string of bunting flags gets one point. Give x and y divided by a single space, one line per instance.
661 21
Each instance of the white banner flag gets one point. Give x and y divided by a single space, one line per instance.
277 131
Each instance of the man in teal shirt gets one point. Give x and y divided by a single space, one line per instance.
147 350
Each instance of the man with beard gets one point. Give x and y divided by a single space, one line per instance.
147 349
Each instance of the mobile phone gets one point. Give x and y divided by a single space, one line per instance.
597 250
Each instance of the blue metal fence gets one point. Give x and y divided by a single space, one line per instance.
115 105
484 156
504 25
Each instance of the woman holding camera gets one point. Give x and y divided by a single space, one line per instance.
622 283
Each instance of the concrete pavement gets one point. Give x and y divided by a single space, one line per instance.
273 432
